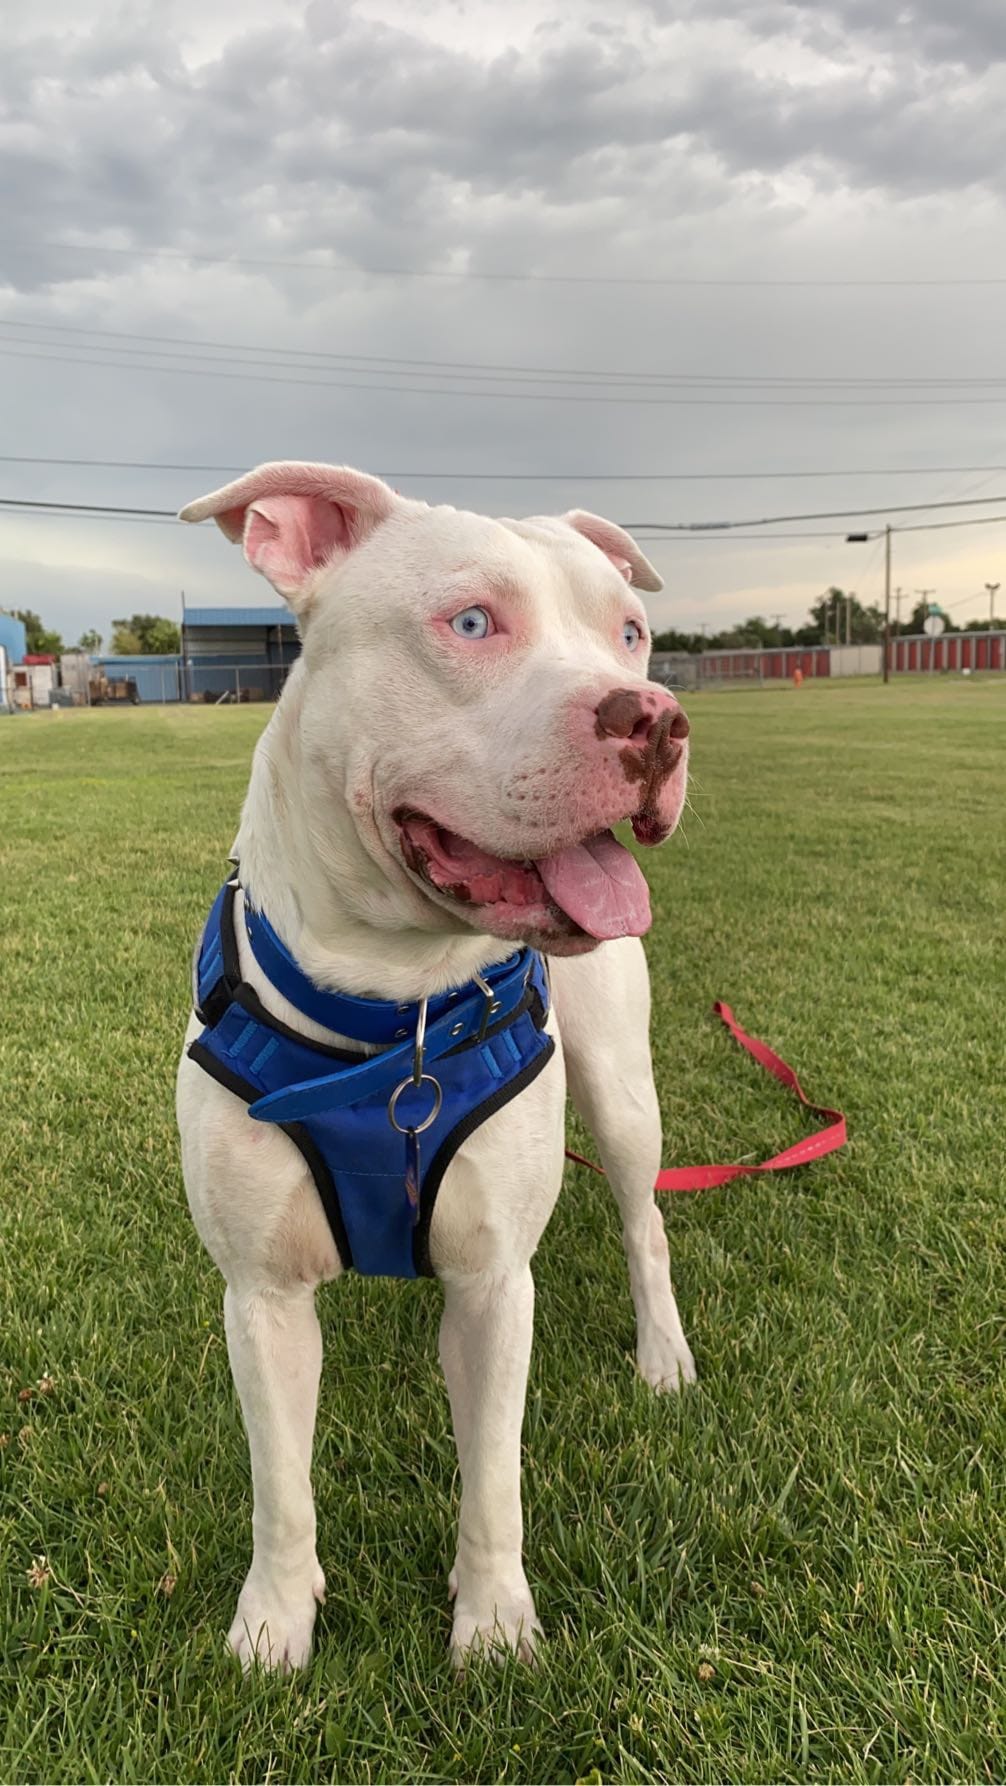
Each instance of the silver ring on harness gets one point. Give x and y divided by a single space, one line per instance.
415 1128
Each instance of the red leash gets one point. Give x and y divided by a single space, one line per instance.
703 1178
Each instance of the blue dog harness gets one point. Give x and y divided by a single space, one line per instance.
446 1065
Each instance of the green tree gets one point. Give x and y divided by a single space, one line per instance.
162 638
125 642
755 633
675 641
146 635
90 641
861 625
39 640
808 635
748 635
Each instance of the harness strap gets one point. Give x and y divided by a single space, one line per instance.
704 1178
376 1021
488 1042
467 1019
464 1016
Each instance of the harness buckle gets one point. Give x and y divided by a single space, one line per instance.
490 1006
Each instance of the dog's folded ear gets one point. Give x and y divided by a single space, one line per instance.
296 519
617 545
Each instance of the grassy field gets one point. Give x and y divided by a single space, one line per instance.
795 1572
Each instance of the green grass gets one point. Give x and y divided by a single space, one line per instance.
820 1522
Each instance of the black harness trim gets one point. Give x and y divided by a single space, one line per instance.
449 1147
323 1179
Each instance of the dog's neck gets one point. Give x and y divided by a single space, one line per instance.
350 928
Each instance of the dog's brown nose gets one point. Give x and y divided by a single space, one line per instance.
635 713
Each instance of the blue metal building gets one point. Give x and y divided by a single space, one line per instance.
244 653
156 678
12 638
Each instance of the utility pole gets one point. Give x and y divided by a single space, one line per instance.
887 603
992 587
850 598
925 594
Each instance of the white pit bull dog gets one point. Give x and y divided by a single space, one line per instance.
430 804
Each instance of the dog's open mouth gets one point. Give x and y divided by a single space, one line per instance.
592 889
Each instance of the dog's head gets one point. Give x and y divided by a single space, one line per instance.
473 695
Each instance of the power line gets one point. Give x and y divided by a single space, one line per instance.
934 526
548 396
363 366
668 532
123 512
697 539
679 539
901 508
170 519
537 477
655 529
949 606
37 514
85 508
490 368
458 372
188 257
66 511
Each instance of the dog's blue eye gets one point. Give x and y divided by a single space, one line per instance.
471 623
632 634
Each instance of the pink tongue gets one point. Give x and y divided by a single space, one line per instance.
600 886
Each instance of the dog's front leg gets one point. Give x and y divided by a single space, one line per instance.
485 1348
604 1008
274 1343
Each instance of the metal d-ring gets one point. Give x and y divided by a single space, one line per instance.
415 1128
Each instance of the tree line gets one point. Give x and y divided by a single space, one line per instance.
835 617
142 635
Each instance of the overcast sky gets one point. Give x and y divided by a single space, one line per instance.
614 167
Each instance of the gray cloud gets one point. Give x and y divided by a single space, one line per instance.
353 133
971 33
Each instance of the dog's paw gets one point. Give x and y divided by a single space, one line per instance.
273 1625
493 1625
664 1360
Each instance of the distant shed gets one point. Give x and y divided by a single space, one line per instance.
245 653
